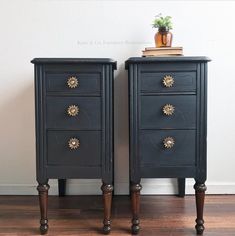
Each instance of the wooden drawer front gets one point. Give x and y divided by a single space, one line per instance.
87 83
153 117
153 82
88 117
153 152
87 154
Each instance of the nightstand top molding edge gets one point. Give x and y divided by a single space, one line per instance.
133 60
75 61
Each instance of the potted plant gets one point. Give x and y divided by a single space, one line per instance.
163 38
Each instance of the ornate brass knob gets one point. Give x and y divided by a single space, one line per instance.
74 143
168 81
73 110
72 82
168 109
168 142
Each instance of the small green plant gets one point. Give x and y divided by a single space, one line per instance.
162 22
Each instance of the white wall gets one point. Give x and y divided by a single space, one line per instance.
117 29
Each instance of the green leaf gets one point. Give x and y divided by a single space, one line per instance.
161 21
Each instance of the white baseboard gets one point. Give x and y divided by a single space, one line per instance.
89 187
172 188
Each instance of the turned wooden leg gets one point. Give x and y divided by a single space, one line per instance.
43 201
181 187
200 189
135 204
107 190
61 187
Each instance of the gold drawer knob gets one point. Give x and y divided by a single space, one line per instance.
74 143
168 81
168 109
168 142
73 110
72 82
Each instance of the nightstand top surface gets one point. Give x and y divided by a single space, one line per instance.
74 61
146 60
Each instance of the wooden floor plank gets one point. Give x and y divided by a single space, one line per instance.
82 215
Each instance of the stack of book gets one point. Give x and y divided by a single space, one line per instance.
164 51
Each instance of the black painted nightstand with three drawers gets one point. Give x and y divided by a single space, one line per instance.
167 108
74 125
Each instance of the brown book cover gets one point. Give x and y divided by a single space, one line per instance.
163 48
164 51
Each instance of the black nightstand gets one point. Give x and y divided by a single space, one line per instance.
167 98
74 125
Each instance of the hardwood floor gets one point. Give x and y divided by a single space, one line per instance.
82 215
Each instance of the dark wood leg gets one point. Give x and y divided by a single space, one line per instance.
61 187
181 187
135 204
43 201
107 190
200 189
